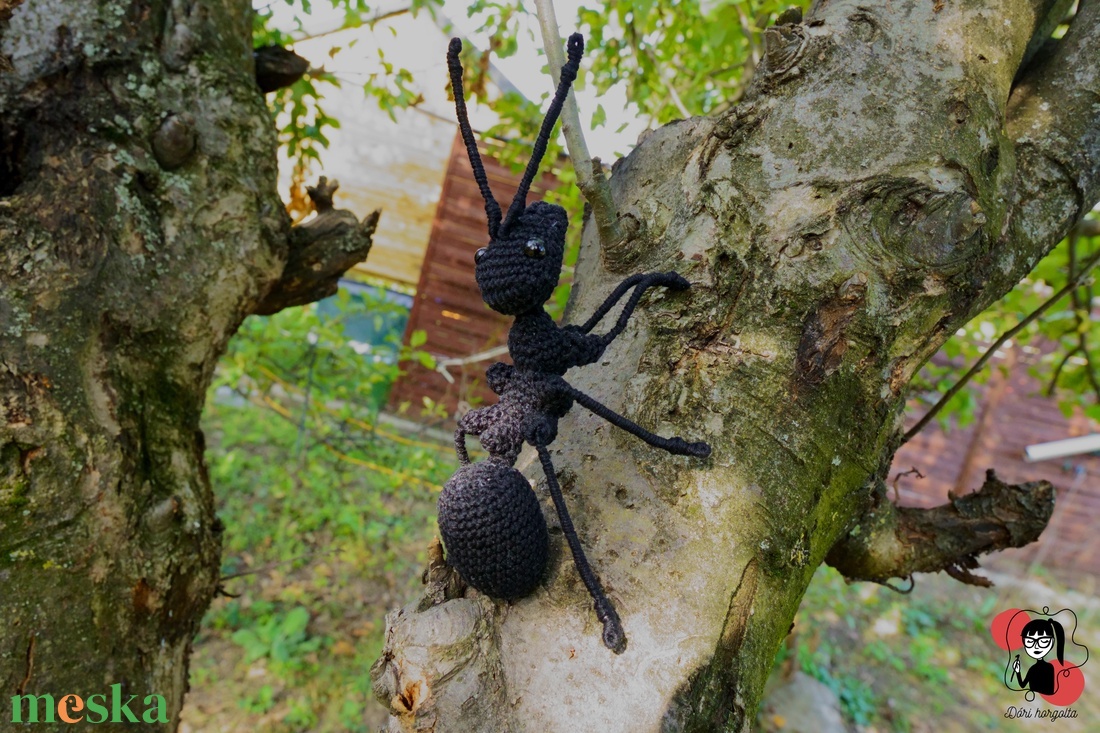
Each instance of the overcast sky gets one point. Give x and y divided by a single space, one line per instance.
522 69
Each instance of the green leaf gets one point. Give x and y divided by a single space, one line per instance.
295 622
599 117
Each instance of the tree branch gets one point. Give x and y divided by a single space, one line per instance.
356 23
1068 288
321 251
1056 375
590 178
1053 117
895 542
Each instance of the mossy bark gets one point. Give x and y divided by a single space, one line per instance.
874 191
139 225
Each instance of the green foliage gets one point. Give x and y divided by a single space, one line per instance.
261 701
298 111
327 514
501 22
280 638
1058 349
302 355
673 59
677 58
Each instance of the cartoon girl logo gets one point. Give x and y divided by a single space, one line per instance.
1058 681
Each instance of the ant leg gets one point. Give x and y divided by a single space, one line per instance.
666 279
675 445
611 300
473 422
614 638
460 446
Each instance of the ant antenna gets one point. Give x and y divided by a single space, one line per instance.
492 208
574 49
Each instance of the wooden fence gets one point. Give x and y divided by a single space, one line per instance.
448 305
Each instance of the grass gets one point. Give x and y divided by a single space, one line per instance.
328 515
317 550
919 662
328 548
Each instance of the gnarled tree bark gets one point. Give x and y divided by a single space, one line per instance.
139 225
891 172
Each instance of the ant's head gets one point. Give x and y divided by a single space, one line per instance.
519 269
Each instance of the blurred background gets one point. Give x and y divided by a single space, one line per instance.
329 426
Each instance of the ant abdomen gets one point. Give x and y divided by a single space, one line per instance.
491 522
494 530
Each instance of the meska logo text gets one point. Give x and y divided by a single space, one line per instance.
96 709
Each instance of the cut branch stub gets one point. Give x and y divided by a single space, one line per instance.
895 542
784 45
277 67
174 141
321 251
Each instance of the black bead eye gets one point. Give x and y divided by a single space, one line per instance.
478 255
534 249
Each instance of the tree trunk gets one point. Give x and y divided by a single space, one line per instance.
891 172
139 225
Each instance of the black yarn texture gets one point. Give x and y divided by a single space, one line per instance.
510 279
492 526
494 530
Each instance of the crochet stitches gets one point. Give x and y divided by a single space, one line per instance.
495 529
490 519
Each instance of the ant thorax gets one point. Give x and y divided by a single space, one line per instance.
492 524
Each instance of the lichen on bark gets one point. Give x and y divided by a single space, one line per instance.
871 193
139 225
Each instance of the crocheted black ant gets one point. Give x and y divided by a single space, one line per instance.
489 517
